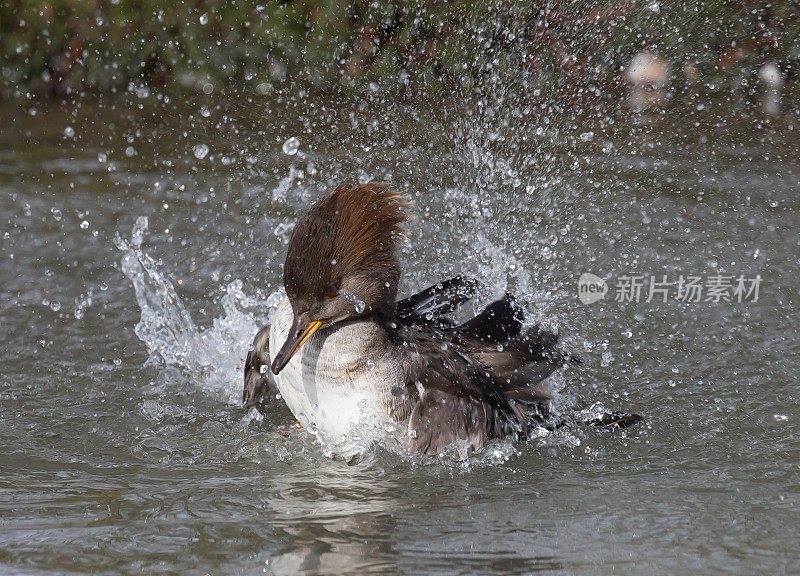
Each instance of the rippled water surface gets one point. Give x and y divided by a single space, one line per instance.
124 448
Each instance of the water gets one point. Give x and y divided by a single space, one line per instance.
141 247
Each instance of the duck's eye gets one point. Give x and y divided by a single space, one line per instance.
331 291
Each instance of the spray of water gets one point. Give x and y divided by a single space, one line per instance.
213 357
505 182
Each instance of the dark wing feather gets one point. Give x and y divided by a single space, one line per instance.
259 385
480 379
432 305
516 361
436 360
460 399
500 321
439 419
522 362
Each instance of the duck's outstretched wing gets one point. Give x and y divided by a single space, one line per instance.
431 306
439 419
459 398
435 359
517 361
259 385
520 364
498 322
480 379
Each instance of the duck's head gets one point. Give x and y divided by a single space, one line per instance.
341 262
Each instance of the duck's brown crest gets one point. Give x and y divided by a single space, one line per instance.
370 219
352 229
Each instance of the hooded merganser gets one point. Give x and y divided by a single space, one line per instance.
342 351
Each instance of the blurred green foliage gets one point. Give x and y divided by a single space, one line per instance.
63 46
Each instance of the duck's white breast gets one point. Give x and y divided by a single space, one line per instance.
343 379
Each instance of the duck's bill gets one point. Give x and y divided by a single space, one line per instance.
302 329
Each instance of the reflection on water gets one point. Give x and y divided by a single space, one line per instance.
337 524
125 450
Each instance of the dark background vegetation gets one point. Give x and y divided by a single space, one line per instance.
63 47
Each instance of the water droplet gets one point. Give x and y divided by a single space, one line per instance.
102 157
291 146
69 131
204 19
205 112
84 225
56 214
359 305
200 151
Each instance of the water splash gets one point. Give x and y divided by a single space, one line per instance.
370 435
212 357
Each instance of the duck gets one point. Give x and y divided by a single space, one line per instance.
343 352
